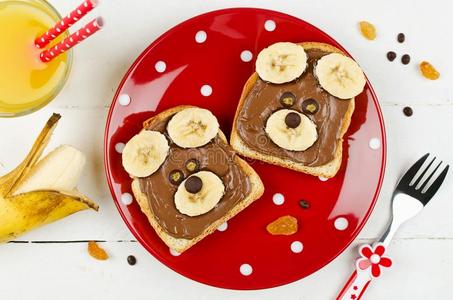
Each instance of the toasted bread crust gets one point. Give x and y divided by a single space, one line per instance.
327 170
181 244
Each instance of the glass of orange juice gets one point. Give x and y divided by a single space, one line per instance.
27 83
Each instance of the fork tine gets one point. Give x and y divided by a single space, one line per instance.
423 173
429 177
410 174
436 184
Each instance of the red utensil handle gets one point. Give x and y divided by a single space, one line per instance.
355 286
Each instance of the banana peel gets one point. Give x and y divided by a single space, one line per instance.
24 211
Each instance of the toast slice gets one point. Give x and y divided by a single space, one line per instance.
182 244
326 170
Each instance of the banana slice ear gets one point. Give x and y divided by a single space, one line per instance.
340 76
281 62
192 127
145 153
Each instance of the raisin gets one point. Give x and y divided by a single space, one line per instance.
96 251
286 225
368 30
428 71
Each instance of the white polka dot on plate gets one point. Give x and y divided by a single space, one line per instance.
160 66
124 99
174 252
206 90
126 198
297 247
278 199
119 147
246 56
341 223
270 25
246 269
323 178
374 143
201 36
223 227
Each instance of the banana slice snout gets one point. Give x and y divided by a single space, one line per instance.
199 193
340 76
281 62
145 153
192 127
291 130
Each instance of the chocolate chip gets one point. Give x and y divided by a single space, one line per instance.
176 176
192 165
391 55
292 120
131 260
400 38
405 59
304 204
193 184
310 106
287 99
408 111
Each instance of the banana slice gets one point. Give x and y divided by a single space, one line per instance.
281 62
192 127
291 130
199 193
145 153
340 76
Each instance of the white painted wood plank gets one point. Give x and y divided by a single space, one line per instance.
56 271
101 62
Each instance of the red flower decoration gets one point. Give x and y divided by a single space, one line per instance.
373 257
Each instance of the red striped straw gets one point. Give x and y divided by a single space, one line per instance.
65 23
72 40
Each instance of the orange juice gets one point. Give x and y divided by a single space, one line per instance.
27 83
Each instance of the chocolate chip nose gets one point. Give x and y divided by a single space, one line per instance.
292 120
193 184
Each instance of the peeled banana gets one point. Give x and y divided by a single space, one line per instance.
40 192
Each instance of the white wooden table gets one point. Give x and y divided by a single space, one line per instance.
52 262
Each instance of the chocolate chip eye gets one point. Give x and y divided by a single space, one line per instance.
176 177
287 99
192 165
292 120
193 184
310 106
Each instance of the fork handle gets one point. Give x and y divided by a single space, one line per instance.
355 286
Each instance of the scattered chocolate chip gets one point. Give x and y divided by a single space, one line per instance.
401 37
176 176
310 106
304 204
287 99
405 59
292 120
193 184
391 55
192 165
131 260
408 111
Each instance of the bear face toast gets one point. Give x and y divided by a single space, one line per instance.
186 178
295 109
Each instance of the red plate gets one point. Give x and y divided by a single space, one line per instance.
194 60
